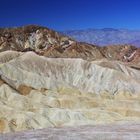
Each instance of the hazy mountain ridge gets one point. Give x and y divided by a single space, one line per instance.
106 36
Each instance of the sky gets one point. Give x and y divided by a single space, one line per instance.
71 14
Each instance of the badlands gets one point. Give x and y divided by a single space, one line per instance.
48 80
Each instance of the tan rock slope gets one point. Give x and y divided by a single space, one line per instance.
39 92
39 72
49 80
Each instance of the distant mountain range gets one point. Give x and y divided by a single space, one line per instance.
106 36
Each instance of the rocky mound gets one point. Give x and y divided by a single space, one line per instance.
43 92
40 72
45 42
52 44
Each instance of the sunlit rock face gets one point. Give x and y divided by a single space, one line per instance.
39 72
65 107
39 92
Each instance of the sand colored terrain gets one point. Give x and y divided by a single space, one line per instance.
65 107
39 92
39 72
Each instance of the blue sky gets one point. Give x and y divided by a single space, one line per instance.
71 14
